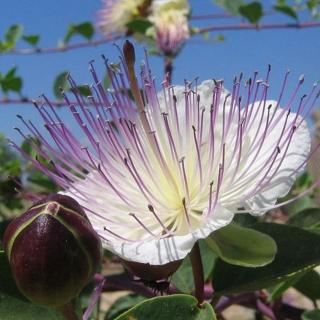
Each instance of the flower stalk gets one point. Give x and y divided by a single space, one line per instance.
197 269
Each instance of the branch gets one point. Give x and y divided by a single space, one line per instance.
55 103
98 42
79 45
249 26
224 15
30 101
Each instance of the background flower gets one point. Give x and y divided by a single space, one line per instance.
116 14
170 24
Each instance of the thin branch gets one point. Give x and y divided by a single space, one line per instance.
224 15
79 45
56 103
249 26
98 42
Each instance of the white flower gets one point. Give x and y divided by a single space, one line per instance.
116 14
159 174
170 20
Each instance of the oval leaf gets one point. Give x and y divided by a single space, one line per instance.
311 315
252 11
123 304
308 219
178 307
242 246
297 252
60 82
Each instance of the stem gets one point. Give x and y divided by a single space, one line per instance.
168 68
224 15
69 312
64 48
197 269
249 26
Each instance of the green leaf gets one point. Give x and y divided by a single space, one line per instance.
287 10
32 39
84 90
13 34
13 305
299 205
279 289
252 11
139 25
309 285
106 81
183 277
123 304
231 6
242 246
84 29
10 82
177 307
308 219
311 315
61 82
297 252
13 84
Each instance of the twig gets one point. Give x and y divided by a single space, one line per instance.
64 48
223 15
55 103
98 42
249 26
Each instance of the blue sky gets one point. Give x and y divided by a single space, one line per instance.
246 51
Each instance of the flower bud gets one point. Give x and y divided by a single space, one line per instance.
53 250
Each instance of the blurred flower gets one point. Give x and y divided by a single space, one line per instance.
116 14
162 170
170 24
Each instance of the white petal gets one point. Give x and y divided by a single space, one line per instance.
162 251
297 153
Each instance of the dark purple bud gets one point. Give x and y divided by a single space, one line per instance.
129 53
53 250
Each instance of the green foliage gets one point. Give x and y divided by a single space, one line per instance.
311 315
12 35
32 39
10 173
60 83
10 81
287 10
122 305
309 284
308 219
183 277
242 246
297 253
178 307
139 25
84 29
231 6
313 6
253 11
